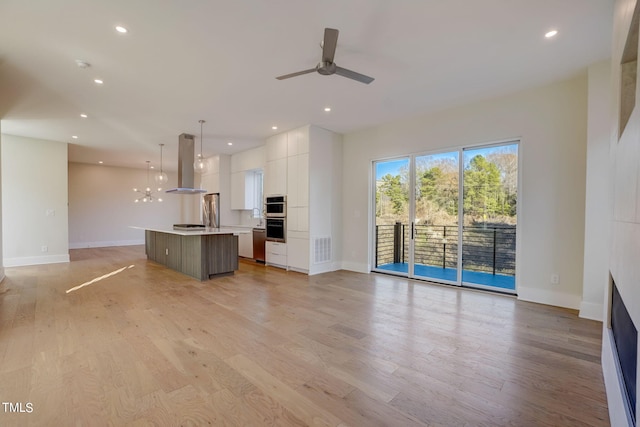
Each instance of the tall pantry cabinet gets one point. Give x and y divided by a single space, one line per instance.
305 164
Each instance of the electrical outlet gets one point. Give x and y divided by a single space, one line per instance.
555 278
44 248
50 212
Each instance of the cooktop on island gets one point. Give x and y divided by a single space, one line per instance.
188 227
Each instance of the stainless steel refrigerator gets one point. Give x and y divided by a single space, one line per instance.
211 210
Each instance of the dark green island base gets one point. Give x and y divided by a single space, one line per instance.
199 255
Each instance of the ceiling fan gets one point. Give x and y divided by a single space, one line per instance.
327 67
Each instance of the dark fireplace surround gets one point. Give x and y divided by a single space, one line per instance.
625 339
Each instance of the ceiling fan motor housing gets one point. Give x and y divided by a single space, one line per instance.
326 68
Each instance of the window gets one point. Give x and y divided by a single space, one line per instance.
258 202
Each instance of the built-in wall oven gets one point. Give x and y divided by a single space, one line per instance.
275 206
276 229
275 212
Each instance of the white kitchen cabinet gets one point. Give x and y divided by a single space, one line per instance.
298 258
248 160
275 179
292 181
298 180
297 218
243 190
276 254
245 245
303 179
276 147
298 141
305 165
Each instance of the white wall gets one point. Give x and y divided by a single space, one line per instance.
102 207
34 179
597 214
551 122
625 246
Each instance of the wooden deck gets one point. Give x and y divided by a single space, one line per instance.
147 345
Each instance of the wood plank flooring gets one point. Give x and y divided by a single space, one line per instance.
150 346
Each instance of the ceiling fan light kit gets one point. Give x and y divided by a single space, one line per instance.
326 66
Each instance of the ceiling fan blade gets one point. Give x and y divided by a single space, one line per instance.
329 44
353 75
299 73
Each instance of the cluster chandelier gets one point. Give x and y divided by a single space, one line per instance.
147 195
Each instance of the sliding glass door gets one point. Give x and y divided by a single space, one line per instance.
435 237
392 213
449 217
489 205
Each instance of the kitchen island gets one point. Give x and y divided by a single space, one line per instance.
201 254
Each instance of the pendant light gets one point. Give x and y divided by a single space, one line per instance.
147 195
200 165
161 177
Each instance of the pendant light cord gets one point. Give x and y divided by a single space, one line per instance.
201 123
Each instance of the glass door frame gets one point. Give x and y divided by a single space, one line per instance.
496 144
412 211
412 216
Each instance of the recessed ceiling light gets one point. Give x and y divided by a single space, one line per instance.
152 167
74 136
274 127
98 81
327 109
121 29
84 116
551 33
100 162
229 143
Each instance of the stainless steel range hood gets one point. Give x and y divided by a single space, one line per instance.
186 173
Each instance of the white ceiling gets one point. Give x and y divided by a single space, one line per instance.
185 60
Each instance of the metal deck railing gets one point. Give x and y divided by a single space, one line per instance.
489 249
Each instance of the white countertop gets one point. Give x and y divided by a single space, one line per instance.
202 232
250 227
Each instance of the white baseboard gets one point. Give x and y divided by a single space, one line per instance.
105 244
356 266
324 268
544 296
592 311
35 260
298 270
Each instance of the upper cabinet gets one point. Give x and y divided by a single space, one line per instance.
275 180
298 141
276 147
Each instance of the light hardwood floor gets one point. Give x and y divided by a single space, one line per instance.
149 346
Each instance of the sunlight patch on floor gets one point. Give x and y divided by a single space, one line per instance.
97 279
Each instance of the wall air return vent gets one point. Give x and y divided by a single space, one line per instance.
321 250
